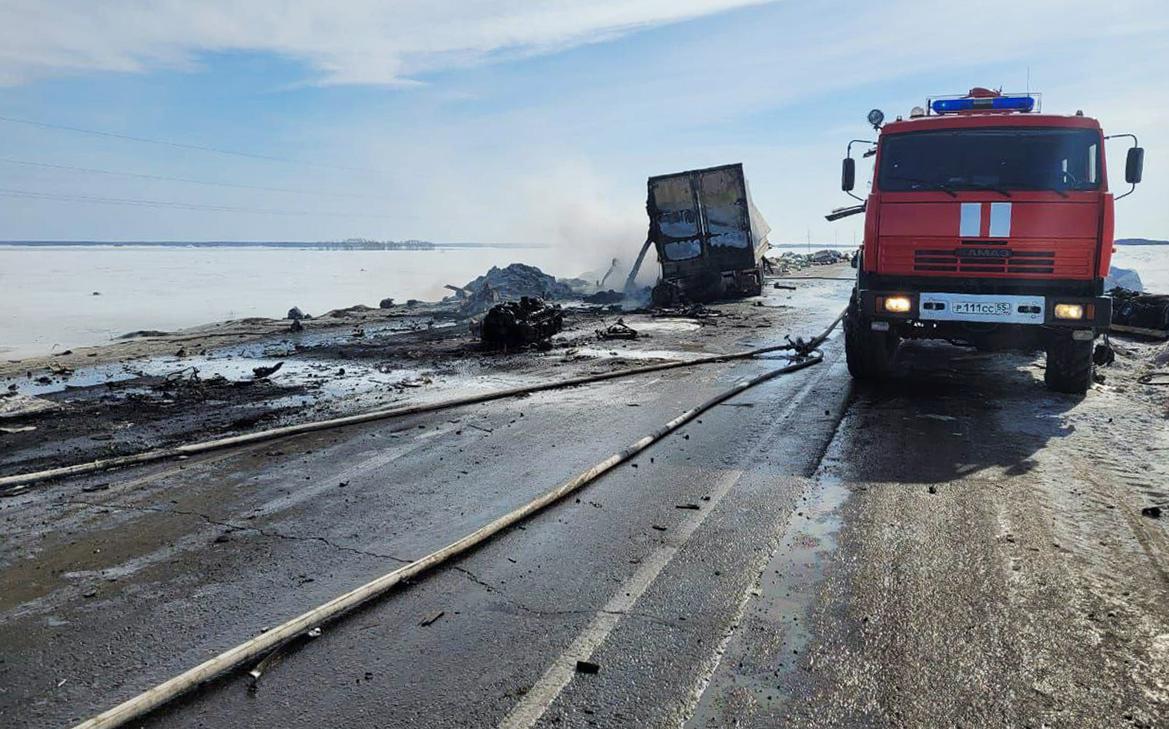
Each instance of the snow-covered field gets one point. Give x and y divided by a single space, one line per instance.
1150 262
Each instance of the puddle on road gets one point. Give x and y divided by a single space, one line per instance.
751 673
666 325
639 354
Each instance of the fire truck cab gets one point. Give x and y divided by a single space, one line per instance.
988 224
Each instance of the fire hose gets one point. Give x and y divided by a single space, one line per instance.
806 355
10 485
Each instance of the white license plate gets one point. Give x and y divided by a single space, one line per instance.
997 308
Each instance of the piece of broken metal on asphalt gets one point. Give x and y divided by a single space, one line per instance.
620 330
261 373
262 667
587 667
431 619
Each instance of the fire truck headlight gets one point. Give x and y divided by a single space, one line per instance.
1069 311
898 304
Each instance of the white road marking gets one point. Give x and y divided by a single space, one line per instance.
536 702
706 674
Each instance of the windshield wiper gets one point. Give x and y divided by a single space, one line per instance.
1026 186
932 183
983 186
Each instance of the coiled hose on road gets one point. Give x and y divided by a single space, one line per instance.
806 354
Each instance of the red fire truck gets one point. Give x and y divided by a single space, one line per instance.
989 224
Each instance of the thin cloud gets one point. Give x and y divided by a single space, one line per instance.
352 42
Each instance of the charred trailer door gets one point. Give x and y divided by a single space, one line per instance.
709 237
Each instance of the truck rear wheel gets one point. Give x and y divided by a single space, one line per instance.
869 354
1069 365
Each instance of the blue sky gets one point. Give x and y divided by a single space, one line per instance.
517 121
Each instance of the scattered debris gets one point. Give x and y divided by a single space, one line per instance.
17 429
517 323
144 333
518 280
1134 312
1103 354
604 297
348 311
692 311
790 261
386 303
620 330
296 314
261 373
1153 512
778 285
693 507
16 405
430 620
414 382
587 667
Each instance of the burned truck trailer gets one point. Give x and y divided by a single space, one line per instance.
709 236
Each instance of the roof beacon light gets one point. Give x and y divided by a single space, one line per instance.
983 103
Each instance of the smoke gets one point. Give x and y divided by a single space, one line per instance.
589 220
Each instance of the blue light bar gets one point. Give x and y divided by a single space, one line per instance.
985 103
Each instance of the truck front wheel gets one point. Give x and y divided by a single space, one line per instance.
869 354
1069 364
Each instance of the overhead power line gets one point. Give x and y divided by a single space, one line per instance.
144 176
183 145
176 205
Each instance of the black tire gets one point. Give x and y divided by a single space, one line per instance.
1069 365
870 354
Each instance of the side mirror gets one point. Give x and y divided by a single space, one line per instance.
1134 164
848 173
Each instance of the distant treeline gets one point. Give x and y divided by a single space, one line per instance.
1141 242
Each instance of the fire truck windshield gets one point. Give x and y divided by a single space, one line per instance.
997 159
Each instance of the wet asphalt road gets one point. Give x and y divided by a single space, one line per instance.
183 561
858 557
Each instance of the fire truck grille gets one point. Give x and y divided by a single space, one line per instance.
984 260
